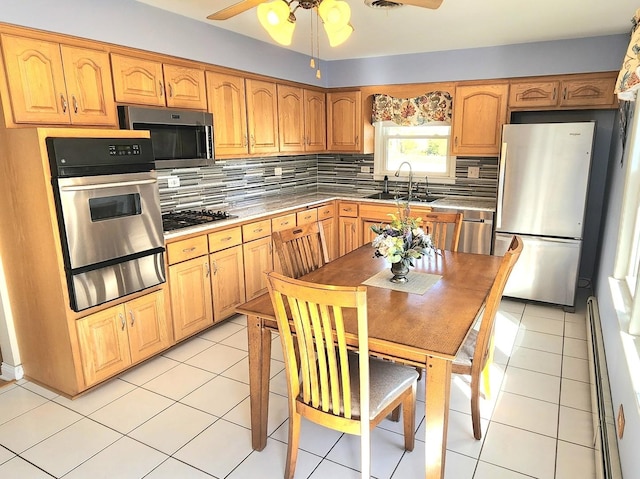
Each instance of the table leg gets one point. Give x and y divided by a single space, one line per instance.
259 370
438 386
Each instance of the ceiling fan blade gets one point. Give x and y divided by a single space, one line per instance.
432 4
235 9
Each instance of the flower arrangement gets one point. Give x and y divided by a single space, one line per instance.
403 240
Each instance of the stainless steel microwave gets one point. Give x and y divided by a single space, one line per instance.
180 138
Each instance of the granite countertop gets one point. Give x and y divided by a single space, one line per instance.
282 204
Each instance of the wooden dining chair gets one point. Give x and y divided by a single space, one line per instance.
444 229
301 249
476 355
341 389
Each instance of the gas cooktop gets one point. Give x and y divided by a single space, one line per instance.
183 219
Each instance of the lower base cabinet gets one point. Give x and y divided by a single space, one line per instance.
113 339
227 282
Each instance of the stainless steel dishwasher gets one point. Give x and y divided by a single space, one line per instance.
477 230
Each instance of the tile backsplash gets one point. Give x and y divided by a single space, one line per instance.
238 183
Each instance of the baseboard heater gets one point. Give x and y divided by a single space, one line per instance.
607 459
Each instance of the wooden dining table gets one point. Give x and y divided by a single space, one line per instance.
425 330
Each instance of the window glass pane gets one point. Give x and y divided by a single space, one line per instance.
424 154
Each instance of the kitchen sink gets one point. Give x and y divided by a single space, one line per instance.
385 196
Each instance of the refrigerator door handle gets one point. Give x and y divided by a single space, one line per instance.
501 167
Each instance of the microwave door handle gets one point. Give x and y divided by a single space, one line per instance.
115 184
208 140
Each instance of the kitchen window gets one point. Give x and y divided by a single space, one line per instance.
425 147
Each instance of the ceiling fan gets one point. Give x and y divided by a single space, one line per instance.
244 5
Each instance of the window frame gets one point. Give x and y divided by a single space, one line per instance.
380 164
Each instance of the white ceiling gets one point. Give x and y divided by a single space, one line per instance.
457 24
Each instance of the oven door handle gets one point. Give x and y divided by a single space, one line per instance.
107 185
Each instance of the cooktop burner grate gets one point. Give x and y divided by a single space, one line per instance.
183 219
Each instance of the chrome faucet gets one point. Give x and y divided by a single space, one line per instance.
397 174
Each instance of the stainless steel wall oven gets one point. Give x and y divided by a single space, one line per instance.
109 215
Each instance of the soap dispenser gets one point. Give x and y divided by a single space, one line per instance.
385 189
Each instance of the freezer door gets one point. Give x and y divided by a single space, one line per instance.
544 173
547 269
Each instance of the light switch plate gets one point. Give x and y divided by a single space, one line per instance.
173 182
277 171
473 172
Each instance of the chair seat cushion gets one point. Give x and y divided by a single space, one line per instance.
386 380
465 355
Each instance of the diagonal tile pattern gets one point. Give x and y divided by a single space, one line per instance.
185 414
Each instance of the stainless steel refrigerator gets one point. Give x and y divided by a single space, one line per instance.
542 193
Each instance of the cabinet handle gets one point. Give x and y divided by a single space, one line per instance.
161 88
455 141
75 103
63 103
170 90
122 321
206 265
554 93
284 223
307 217
228 238
189 250
253 141
133 318
357 138
564 93
215 267
258 230
246 141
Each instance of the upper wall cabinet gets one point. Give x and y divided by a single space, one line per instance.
574 91
479 111
344 121
55 84
227 103
148 82
301 119
262 116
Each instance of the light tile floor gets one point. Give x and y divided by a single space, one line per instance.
185 414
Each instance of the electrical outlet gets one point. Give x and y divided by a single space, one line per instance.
364 169
173 181
473 172
277 171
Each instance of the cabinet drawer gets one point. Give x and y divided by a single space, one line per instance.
256 230
283 222
187 249
326 211
348 209
225 239
307 216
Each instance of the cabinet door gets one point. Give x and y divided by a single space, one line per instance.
185 87
137 81
291 118
258 259
533 94
367 234
348 237
315 121
104 344
149 332
227 281
262 116
191 305
589 92
280 223
227 103
36 81
478 115
331 237
88 79
344 121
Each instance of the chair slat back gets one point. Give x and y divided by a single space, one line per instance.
301 249
310 321
444 229
492 304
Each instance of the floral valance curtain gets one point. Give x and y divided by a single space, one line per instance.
431 107
629 77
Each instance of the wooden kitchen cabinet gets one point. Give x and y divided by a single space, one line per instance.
291 126
191 299
262 116
315 120
227 272
149 82
594 90
112 339
55 84
479 111
227 103
344 121
280 223
348 227
257 250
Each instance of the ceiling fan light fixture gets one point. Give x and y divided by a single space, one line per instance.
335 14
338 36
275 18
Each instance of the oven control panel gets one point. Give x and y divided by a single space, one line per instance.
119 150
